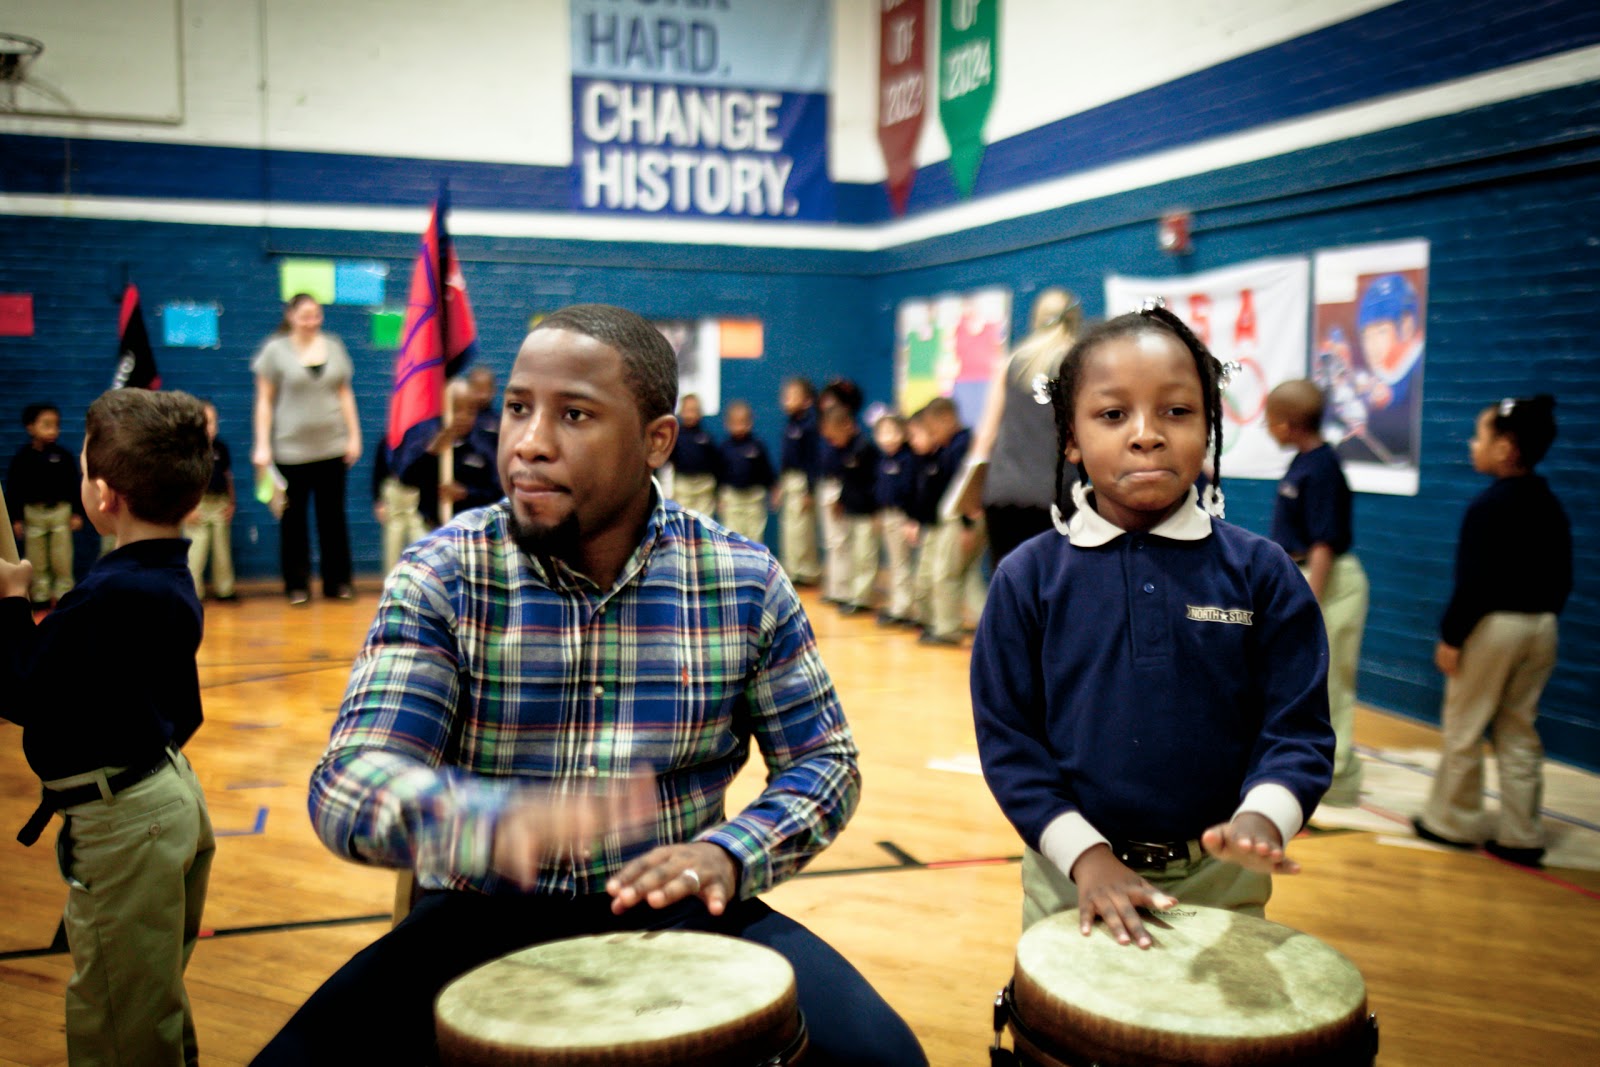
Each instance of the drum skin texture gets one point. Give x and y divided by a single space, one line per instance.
1217 987
620 1000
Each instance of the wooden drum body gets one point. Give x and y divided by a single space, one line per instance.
624 999
1216 988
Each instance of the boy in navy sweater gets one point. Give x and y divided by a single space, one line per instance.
1150 687
136 842
746 475
895 492
42 498
797 476
694 460
858 476
1311 520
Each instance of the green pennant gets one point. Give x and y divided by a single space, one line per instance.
968 60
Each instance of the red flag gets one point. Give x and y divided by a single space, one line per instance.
136 361
432 311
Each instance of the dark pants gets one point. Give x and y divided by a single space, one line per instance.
1010 525
323 481
378 1008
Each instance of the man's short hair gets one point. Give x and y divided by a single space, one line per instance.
648 364
152 448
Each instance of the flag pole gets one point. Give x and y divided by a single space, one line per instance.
447 458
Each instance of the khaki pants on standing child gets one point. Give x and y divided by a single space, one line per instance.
744 511
1344 615
211 535
48 530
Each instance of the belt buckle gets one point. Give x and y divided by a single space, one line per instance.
1146 854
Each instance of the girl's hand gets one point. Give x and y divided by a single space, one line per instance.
1108 889
1447 658
1252 841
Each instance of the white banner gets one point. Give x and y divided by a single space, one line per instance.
1255 315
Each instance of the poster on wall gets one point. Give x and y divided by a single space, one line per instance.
969 39
1368 337
704 110
948 346
701 345
902 92
1253 314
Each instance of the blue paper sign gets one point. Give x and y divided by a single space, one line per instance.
359 282
186 325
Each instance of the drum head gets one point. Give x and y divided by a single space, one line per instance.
1216 988
626 998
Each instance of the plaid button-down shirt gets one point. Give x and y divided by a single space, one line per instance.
487 671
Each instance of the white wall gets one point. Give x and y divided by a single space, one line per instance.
489 80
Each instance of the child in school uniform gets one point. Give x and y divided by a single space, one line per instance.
396 506
893 493
136 843
694 460
1149 687
954 541
746 475
1497 641
833 529
1311 519
858 477
930 478
474 459
797 475
209 527
42 498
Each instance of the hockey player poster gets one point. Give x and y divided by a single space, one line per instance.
1368 343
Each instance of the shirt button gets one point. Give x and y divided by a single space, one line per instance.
599 690
1149 587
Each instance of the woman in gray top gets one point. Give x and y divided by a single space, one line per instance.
1017 435
305 423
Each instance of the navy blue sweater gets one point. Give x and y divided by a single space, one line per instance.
800 440
858 475
897 479
108 679
1515 554
1313 505
43 476
745 464
1149 683
696 452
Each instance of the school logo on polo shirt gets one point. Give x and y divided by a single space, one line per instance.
1237 616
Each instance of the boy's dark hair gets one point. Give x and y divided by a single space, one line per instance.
737 405
152 448
1064 390
1299 402
1530 422
31 413
940 407
648 364
846 392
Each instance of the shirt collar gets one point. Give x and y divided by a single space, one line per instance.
1089 529
557 575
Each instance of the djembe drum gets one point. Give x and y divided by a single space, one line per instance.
625 1000
1217 987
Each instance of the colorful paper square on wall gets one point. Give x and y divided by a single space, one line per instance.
313 276
948 346
359 282
190 325
386 329
16 314
742 339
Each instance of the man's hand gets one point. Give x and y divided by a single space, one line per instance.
1447 658
16 579
670 873
1252 841
75 524
542 825
1107 888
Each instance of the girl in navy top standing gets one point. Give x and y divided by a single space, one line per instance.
1149 683
1497 642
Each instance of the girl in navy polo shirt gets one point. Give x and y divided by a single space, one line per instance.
1150 686
1497 641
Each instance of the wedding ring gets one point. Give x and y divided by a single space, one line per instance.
693 876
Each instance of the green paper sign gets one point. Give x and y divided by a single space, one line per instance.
968 55
314 276
386 329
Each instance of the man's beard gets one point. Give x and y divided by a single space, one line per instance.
559 541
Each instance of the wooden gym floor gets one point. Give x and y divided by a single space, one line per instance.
1468 960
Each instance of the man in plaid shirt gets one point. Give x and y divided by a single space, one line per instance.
551 703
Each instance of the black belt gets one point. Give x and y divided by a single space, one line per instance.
1150 855
53 800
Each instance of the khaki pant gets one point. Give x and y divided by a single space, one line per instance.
744 511
211 536
1344 616
1505 663
797 528
1046 889
861 553
892 532
136 868
48 546
835 555
956 582
403 523
696 492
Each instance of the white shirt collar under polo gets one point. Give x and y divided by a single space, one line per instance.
1088 529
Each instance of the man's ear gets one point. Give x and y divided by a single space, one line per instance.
660 435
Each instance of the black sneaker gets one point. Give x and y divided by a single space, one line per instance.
930 638
344 592
1522 857
1426 834
299 598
